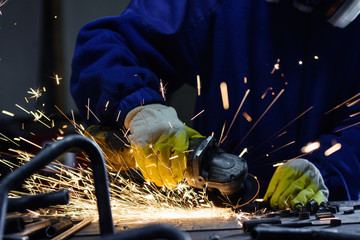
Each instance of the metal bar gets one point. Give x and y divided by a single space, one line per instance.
47 155
33 202
74 229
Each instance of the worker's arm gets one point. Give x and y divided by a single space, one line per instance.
116 71
119 61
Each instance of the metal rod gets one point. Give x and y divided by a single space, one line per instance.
33 202
47 155
74 229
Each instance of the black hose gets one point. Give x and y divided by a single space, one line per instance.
43 200
152 232
46 156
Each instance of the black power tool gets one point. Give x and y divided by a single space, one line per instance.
210 166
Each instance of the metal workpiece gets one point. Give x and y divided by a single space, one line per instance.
47 155
33 202
152 232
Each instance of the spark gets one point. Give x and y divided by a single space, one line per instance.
310 147
28 141
341 104
197 115
93 113
162 90
173 157
224 95
262 115
73 118
354 114
278 164
352 125
35 93
245 80
198 84
316 57
288 144
4 136
222 132
276 66
117 118
266 91
8 113
22 108
243 152
350 104
88 110
106 105
300 62
237 112
247 116
170 125
2 2
57 78
331 150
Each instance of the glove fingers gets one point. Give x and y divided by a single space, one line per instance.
284 175
295 188
140 157
304 196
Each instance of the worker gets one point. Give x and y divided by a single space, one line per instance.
292 75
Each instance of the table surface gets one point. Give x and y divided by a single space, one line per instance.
228 229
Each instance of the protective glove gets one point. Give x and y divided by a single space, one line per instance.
115 147
159 141
297 181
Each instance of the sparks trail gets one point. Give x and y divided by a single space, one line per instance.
275 150
281 131
236 114
341 104
197 115
262 115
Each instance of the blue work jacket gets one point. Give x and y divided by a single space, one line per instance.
302 75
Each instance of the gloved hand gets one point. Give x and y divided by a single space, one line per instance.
159 141
297 181
115 147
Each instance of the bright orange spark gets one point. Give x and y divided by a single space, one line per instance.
224 95
8 113
247 116
332 149
310 147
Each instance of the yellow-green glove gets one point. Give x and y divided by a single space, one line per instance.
297 181
159 141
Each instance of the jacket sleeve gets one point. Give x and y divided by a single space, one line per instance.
119 61
340 168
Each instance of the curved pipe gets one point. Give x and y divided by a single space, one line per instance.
152 232
46 156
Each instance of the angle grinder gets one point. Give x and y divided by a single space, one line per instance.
208 165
